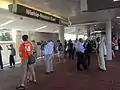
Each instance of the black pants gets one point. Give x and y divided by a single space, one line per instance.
11 59
65 54
80 60
1 62
71 54
119 46
88 59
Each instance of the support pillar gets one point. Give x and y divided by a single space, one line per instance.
108 40
77 34
88 33
14 8
61 34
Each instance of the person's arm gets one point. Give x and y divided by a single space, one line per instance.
20 51
1 48
9 48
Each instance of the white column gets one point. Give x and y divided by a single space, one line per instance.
108 40
18 42
77 33
61 34
32 36
88 32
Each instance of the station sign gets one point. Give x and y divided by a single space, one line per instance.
29 12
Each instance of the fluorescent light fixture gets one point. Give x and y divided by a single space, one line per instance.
4 4
96 32
41 28
118 17
8 22
56 31
116 0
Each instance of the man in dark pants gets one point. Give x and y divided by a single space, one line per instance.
70 50
1 62
80 55
88 50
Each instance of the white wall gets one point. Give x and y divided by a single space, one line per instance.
46 36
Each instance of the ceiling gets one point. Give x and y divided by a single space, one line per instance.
28 24
65 9
69 9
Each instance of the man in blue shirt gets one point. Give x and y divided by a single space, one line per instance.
80 55
48 52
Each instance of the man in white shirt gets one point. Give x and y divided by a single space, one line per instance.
48 52
80 55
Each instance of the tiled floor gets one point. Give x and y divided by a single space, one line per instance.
67 78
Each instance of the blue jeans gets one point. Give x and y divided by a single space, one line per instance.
48 62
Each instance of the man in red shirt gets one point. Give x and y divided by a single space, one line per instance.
25 50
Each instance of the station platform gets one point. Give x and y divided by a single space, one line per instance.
66 77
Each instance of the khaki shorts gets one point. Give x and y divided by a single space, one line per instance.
24 67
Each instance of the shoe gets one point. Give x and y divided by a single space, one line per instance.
51 71
1 70
10 67
80 69
101 70
47 73
20 87
31 81
34 81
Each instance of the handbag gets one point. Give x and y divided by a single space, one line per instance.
31 58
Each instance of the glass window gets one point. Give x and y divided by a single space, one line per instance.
6 35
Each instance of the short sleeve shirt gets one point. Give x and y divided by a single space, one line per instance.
25 49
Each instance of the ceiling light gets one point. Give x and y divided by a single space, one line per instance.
118 17
4 4
97 32
8 22
116 0
41 28
56 31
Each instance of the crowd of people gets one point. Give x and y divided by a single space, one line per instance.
78 50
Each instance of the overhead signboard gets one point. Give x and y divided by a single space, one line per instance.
95 5
28 12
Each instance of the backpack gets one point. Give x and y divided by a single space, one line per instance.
14 52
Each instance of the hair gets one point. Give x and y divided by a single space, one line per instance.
11 45
103 33
98 39
25 37
33 41
58 40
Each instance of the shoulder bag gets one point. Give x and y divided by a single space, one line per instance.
31 58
